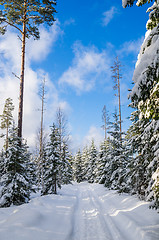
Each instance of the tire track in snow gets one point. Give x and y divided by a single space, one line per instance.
87 220
78 229
101 217
74 217
106 220
101 229
133 228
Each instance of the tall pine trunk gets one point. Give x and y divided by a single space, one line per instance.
20 112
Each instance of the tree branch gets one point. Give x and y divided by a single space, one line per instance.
13 26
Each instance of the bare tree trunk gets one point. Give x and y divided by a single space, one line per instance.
41 133
117 76
119 104
63 136
20 112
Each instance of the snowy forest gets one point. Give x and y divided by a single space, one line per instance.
125 161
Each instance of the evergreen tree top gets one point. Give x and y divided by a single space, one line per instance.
31 12
153 10
7 117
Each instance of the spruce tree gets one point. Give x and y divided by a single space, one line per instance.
66 167
7 118
155 175
117 163
85 163
77 167
15 181
53 164
144 161
156 189
93 153
153 16
108 168
25 16
145 98
2 162
102 161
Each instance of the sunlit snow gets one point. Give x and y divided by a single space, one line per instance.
80 212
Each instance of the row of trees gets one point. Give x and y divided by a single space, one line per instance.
131 164
127 165
25 17
22 172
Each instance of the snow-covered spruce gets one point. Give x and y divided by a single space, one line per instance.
15 179
52 165
91 171
145 98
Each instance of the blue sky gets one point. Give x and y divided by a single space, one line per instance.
75 56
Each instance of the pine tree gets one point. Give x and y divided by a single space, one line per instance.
77 167
7 118
53 164
15 182
93 153
25 16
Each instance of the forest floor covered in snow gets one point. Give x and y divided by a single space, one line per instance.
80 212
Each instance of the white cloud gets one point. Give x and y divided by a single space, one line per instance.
131 47
10 61
108 16
79 142
95 134
69 22
87 65
38 49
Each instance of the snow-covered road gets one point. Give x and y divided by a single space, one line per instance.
107 216
80 212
